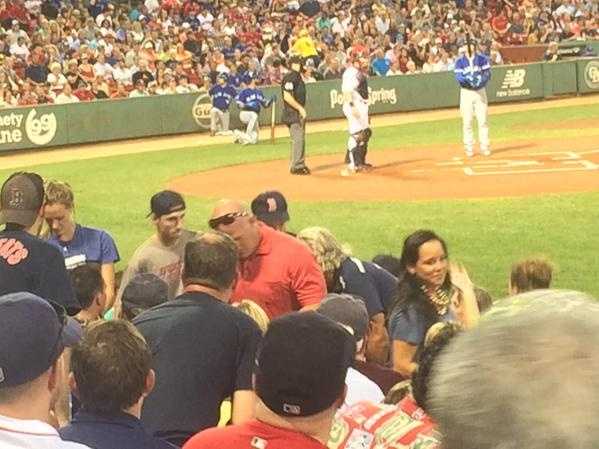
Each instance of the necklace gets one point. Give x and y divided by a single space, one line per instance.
438 297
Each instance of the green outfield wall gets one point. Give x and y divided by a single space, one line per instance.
48 126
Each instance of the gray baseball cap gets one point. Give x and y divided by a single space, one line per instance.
348 310
143 292
21 198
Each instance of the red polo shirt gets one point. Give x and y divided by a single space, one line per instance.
253 434
281 275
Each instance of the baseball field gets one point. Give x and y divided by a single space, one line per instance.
538 194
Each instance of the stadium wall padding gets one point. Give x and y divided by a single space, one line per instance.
105 120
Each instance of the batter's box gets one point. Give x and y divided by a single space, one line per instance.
556 165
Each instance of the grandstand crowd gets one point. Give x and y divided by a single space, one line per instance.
64 51
248 335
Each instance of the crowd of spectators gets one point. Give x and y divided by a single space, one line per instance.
64 51
280 339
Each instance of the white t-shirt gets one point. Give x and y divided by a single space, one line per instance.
101 69
66 99
360 388
31 434
152 5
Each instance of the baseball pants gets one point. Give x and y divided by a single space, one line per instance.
357 120
219 120
250 118
297 132
473 103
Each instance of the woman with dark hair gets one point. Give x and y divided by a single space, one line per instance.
427 294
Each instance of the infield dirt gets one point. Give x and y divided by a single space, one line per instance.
519 168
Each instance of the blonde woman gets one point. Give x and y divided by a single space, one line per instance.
55 78
255 312
347 274
79 244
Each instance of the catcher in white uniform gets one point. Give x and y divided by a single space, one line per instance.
355 108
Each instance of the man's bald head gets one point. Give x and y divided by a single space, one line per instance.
227 206
233 217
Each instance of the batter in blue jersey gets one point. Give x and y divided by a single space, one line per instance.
473 72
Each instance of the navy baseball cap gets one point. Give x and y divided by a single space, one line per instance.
302 363
166 202
270 207
33 334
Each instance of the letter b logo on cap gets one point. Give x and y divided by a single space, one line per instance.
292 409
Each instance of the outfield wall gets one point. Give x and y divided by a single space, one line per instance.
57 125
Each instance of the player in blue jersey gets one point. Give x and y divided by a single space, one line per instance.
473 72
250 100
222 94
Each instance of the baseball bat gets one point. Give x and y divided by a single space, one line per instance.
469 44
273 114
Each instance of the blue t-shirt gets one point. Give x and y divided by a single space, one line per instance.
410 324
381 66
88 246
121 431
222 96
376 285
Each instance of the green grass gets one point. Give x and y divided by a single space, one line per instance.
486 235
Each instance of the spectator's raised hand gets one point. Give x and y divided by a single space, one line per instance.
463 300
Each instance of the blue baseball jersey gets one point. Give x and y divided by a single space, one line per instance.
244 77
251 100
235 80
222 96
473 73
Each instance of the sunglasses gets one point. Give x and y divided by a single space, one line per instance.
226 219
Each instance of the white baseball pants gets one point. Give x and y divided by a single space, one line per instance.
357 120
219 120
250 135
474 103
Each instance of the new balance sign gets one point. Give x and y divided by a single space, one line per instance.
513 84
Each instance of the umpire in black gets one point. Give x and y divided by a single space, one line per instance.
294 115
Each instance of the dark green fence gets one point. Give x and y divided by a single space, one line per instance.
45 126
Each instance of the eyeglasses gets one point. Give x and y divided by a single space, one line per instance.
226 219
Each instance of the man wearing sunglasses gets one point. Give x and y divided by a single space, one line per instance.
27 263
275 270
162 254
33 335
